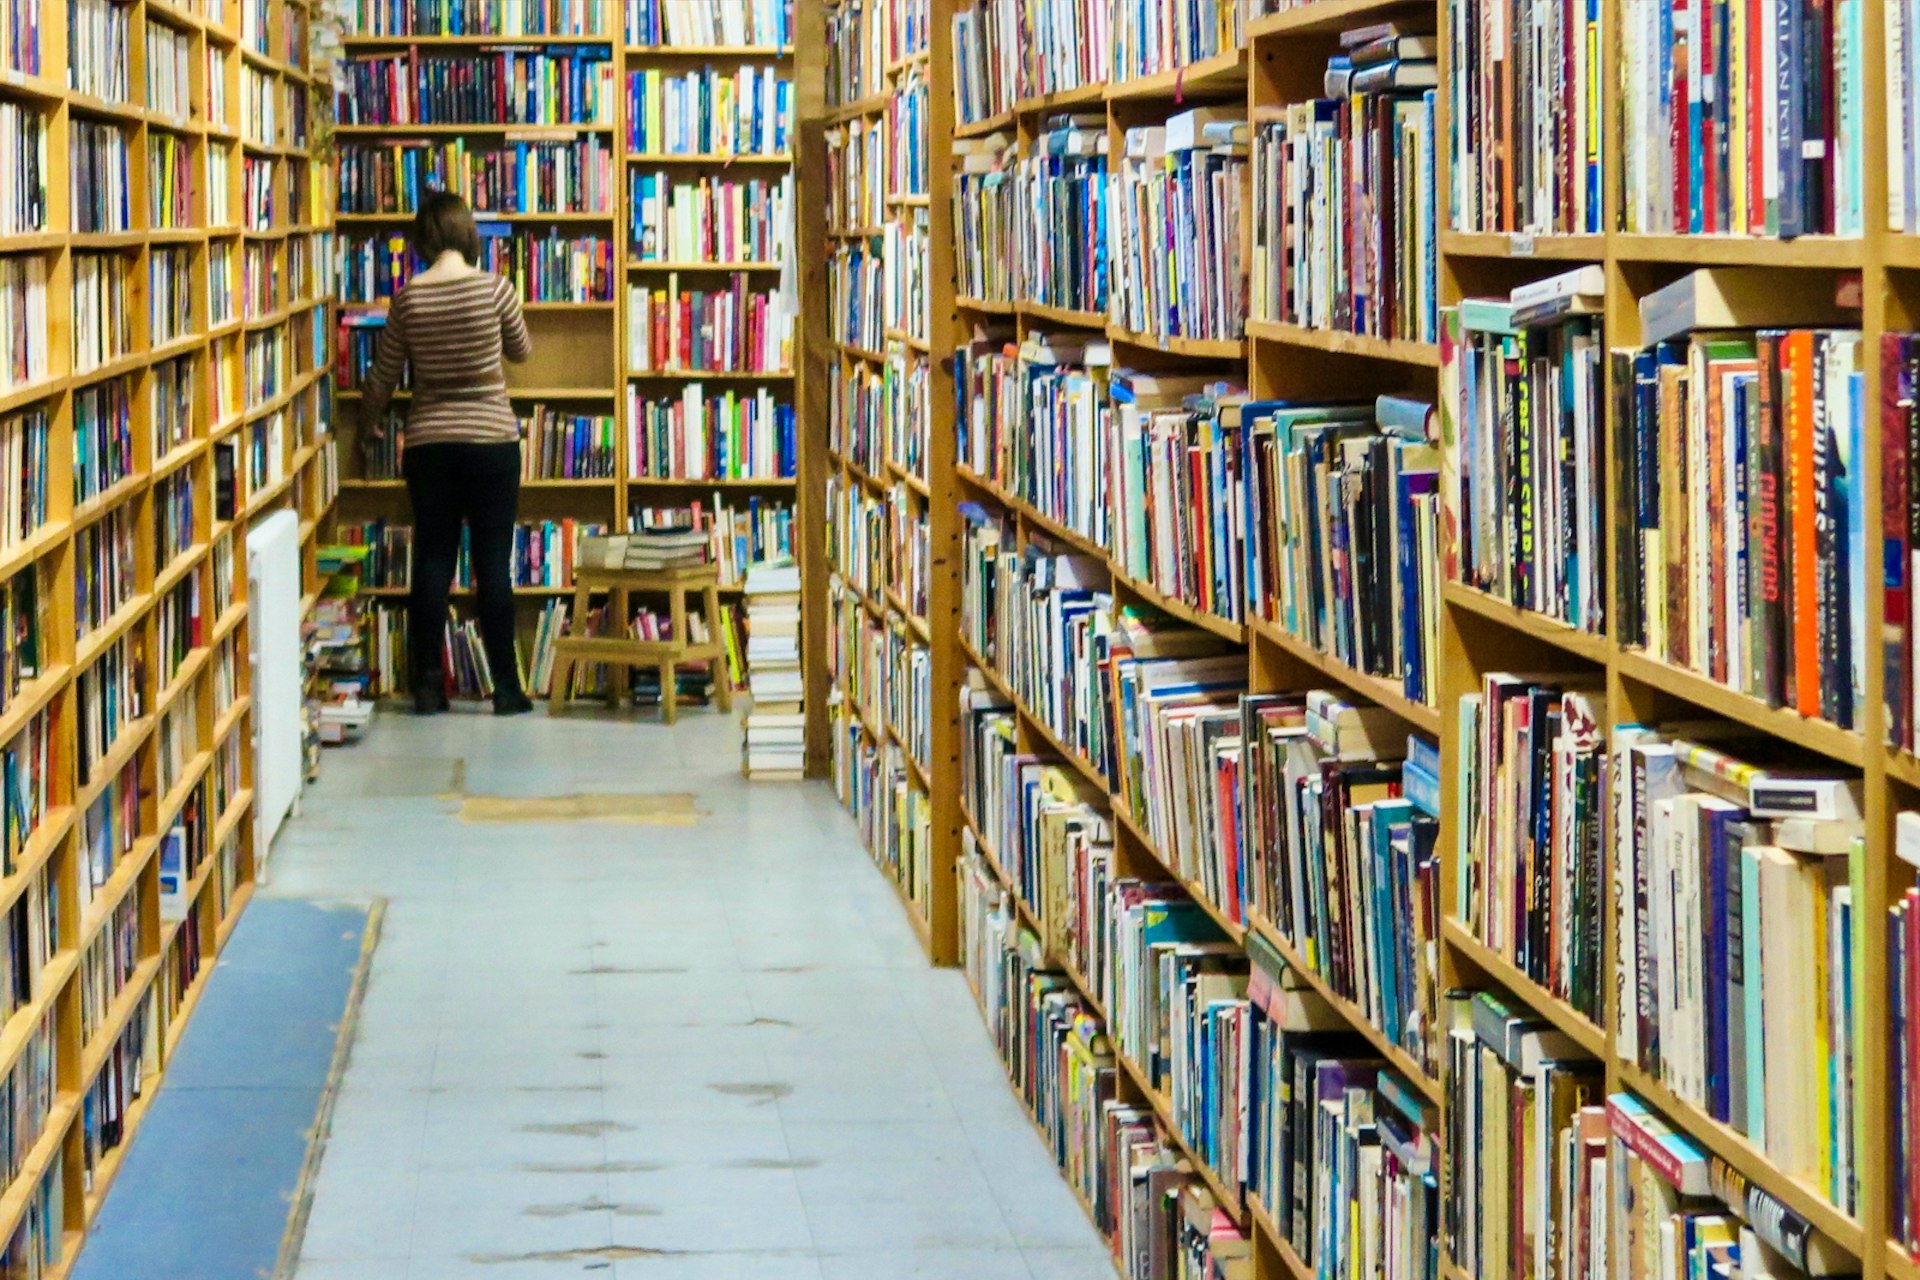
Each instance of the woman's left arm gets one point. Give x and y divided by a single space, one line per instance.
389 362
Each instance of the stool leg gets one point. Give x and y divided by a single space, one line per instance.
557 690
722 672
669 693
618 617
677 602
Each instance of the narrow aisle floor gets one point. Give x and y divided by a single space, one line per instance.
709 1051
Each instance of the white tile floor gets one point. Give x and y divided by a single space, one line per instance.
653 1053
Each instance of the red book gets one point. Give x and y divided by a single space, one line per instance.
1705 11
1677 122
1896 407
1758 97
1797 394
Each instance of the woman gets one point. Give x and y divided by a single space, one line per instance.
454 322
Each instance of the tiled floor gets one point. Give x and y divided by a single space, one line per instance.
712 1052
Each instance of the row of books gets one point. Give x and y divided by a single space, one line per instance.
103 453
856 295
1524 491
728 435
24 178
1762 108
1008 50
20 36
567 446
674 24
857 52
1152 36
711 219
735 329
1740 457
1525 129
98 191
23 461
169 71
1177 264
105 575
170 292
536 176
102 315
740 535
477 17
108 965
508 86
170 181
173 523
545 266
1741 883
100 49
1530 856
27 775
746 111
1153 1209
23 320
1345 233
856 179
1033 227
543 553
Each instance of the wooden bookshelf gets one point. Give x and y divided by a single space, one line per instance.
919 829
580 358
187 749
1280 62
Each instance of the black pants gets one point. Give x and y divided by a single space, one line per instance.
477 485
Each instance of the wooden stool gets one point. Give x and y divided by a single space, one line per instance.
620 652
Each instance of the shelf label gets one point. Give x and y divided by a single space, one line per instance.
1521 246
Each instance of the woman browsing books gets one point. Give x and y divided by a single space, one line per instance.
455 324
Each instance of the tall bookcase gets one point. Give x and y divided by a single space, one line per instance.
892 526
1277 59
581 362
128 721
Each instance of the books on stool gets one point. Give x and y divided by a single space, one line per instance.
648 549
774 741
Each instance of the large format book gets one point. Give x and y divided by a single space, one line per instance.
1735 930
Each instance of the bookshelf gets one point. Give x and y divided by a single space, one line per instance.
694 206
1017 80
174 386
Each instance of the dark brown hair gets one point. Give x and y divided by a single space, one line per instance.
445 222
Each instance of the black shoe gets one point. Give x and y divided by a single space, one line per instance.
430 700
511 704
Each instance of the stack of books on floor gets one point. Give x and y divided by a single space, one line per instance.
339 673
774 745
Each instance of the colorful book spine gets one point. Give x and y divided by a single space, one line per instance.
1344 221
1746 559
1745 118
1526 501
713 220
735 329
557 86
1177 264
724 435
746 111
481 17
706 24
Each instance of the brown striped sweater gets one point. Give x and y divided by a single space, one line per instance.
454 333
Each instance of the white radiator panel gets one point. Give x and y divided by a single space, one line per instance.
273 609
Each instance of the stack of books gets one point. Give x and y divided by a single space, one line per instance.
647 549
774 745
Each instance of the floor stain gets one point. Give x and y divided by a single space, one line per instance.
786 968
769 1022
761 1093
579 1128
592 1205
597 1166
669 809
591 1055
456 780
602 1253
597 970
561 1088
759 1163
